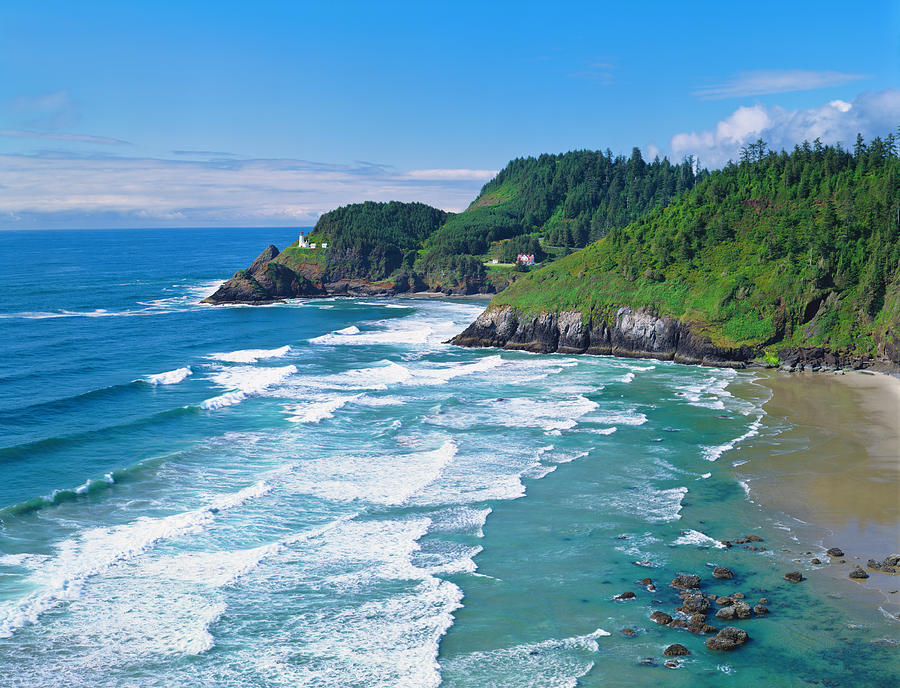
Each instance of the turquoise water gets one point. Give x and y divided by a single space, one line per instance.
322 493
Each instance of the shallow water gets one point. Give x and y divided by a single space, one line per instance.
322 493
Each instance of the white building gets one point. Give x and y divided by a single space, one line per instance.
302 242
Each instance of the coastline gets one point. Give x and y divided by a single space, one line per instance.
829 457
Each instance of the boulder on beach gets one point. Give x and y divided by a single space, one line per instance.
793 576
729 638
835 552
859 573
723 573
686 581
676 650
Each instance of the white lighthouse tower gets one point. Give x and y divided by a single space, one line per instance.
302 242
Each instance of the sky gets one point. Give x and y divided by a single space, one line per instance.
239 114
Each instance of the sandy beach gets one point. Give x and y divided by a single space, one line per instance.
835 465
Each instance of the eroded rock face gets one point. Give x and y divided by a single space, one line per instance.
264 282
633 333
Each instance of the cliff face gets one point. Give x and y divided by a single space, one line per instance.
632 333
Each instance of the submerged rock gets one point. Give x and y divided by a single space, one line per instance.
676 650
729 638
686 581
628 632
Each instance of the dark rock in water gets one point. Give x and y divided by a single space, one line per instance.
618 537
726 613
628 632
724 601
738 596
678 623
858 573
694 604
647 661
815 561
760 610
697 619
793 576
727 543
764 600
723 573
672 664
625 596
661 618
729 638
686 581
754 538
701 629
676 650
893 560
646 581
741 609
835 552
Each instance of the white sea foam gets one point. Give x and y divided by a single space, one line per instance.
554 662
248 381
626 378
713 453
706 475
250 355
317 410
374 478
601 431
97 550
650 504
698 539
630 417
171 377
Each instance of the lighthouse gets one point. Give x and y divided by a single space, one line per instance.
302 242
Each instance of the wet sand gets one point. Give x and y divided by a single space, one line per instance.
837 468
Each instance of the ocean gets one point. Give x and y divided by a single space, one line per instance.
325 493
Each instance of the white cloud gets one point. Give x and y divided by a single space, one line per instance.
873 113
64 190
59 136
45 111
762 82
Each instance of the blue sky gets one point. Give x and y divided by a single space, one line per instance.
269 113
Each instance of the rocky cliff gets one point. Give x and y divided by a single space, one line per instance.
633 333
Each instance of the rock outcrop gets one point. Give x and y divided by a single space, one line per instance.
628 332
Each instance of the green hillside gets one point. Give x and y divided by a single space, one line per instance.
799 248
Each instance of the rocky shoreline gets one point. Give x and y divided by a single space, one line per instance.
641 333
268 280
